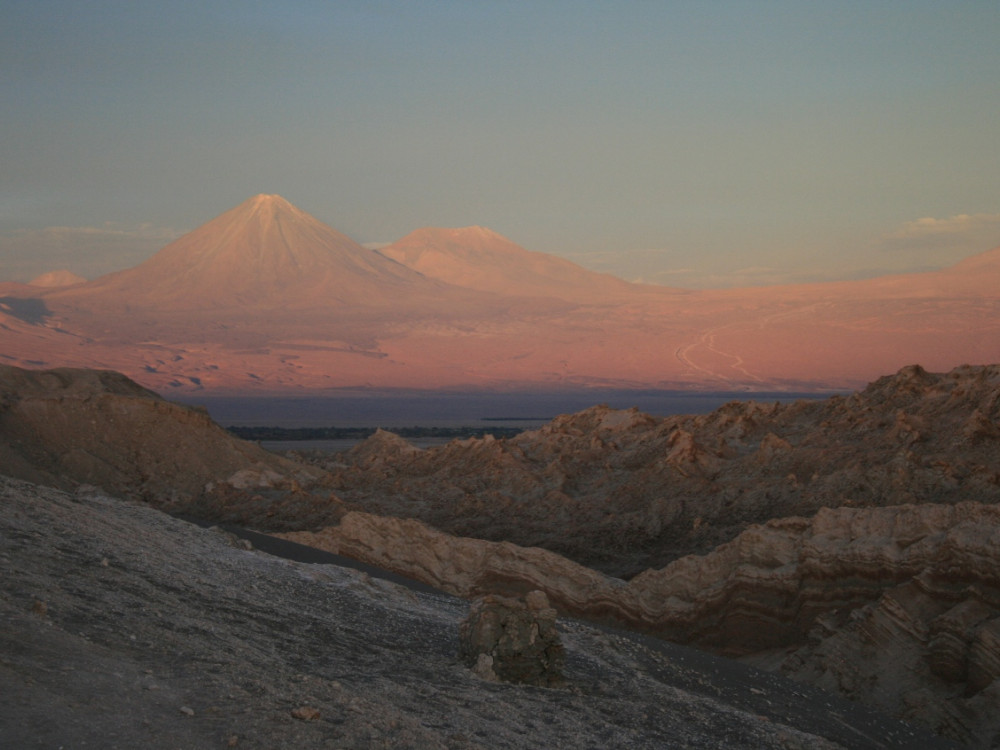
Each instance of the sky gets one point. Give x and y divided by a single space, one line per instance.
708 143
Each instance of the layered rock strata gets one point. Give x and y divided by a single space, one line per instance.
917 584
850 542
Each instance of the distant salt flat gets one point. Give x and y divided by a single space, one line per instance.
395 409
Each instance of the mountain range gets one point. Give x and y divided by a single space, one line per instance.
266 298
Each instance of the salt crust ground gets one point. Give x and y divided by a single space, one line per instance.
123 627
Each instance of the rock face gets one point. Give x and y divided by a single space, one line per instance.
623 491
121 626
851 542
66 427
897 606
514 640
927 648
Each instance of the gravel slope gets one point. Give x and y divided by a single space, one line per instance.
122 627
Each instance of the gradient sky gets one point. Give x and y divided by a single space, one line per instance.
703 143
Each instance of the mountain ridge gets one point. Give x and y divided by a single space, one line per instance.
479 258
266 298
884 588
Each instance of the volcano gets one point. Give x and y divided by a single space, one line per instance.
267 298
479 258
263 254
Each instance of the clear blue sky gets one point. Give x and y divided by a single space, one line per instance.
689 143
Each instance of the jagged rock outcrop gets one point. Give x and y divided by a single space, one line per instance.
919 585
513 639
623 491
65 427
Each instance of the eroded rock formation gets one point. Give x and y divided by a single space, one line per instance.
623 491
899 606
852 543
65 427
513 639
121 626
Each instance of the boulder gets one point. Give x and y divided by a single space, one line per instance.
513 639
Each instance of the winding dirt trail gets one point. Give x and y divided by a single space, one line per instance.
708 340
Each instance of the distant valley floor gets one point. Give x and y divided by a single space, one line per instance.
406 408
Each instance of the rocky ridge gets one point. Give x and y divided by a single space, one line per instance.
65 427
851 543
623 491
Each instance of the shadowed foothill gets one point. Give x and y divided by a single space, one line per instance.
26 309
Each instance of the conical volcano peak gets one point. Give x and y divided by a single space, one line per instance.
265 252
478 232
265 204
268 201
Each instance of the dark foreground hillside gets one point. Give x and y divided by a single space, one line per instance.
121 627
